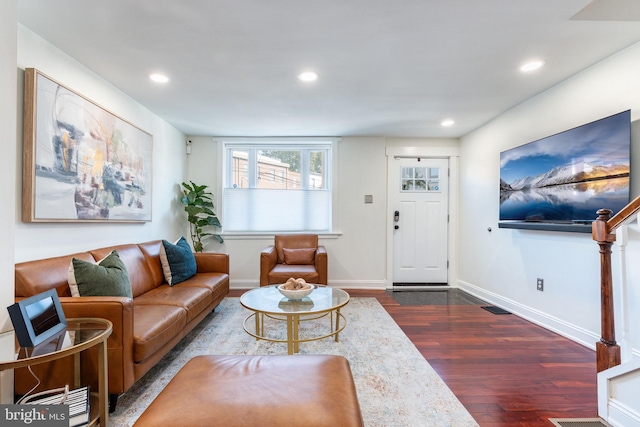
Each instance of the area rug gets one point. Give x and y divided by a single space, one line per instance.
396 386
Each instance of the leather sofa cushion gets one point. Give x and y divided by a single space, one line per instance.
151 251
154 326
281 272
294 241
34 277
301 256
193 299
248 391
217 283
209 281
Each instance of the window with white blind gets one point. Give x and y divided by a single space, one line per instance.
278 185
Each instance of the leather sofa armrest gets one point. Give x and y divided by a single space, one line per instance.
212 262
321 265
268 260
118 310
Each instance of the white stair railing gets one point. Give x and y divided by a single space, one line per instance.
622 239
619 386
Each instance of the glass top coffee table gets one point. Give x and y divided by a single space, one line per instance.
268 301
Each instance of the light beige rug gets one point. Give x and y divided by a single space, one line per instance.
396 386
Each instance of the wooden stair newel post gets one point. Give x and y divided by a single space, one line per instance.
607 350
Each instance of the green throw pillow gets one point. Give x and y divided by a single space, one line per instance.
178 261
108 277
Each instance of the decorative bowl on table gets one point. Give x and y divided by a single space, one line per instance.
296 294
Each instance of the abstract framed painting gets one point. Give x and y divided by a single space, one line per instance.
81 163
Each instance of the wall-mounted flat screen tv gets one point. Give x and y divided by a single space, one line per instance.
565 178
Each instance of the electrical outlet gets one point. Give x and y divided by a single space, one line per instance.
540 284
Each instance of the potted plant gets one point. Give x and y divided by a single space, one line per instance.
198 204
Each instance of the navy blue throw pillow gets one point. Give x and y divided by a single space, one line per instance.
178 261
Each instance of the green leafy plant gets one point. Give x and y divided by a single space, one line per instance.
198 204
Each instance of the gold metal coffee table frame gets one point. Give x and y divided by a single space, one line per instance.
268 302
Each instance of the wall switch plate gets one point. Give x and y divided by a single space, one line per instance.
368 198
540 285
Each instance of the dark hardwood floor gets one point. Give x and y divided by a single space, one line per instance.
505 370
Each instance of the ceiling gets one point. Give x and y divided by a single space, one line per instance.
386 67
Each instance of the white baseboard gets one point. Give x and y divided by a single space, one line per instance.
559 326
621 415
617 393
243 284
380 285
344 284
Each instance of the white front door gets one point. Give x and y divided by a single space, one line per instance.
420 211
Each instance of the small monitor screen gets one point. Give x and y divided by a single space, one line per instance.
37 318
43 315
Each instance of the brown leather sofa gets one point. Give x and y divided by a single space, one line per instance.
145 327
288 257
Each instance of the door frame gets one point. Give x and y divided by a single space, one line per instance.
451 153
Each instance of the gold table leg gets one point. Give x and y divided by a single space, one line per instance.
76 370
337 322
296 325
259 325
290 322
103 384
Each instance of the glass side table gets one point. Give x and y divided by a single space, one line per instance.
81 334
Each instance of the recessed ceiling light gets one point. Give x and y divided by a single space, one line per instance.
159 78
447 123
530 66
308 76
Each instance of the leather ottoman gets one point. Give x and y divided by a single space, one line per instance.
300 390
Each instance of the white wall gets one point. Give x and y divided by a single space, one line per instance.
357 257
502 265
8 93
20 48
42 240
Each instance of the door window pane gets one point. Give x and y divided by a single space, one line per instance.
419 179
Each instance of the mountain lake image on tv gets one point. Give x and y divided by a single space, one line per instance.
565 178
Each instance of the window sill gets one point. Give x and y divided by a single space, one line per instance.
269 235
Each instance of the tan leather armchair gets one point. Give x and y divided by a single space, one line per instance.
294 255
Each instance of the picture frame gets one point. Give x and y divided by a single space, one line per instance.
38 318
81 163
